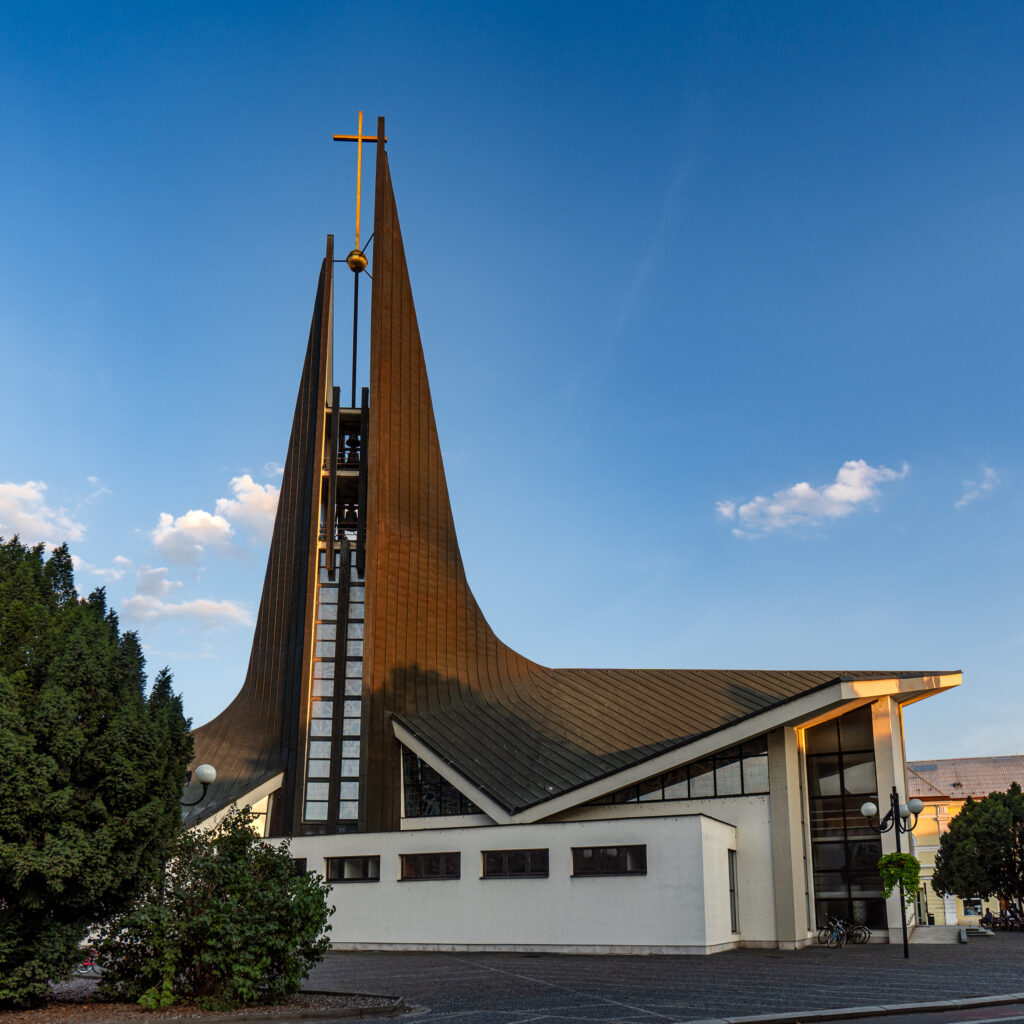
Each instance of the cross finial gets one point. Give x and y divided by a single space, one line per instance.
359 138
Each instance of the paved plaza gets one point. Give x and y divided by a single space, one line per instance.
513 988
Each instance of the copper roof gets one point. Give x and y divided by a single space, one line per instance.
520 732
957 778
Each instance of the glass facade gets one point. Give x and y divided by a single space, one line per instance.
844 850
738 771
427 794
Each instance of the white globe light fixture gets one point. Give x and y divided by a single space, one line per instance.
205 774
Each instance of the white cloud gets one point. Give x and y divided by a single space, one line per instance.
184 539
116 571
272 469
253 506
974 489
99 488
23 511
154 582
209 614
856 484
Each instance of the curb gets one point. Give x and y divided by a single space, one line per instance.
875 1010
397 1005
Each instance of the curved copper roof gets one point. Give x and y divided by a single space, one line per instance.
521 732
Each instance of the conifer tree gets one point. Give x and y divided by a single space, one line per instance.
91 768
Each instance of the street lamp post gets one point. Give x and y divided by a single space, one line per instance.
205 774
896 821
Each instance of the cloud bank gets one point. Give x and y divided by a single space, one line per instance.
23 511
856 485
253 506
184 539
210 614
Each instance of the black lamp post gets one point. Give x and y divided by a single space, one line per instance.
898 821
205 774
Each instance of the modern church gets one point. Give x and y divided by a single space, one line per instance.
458 795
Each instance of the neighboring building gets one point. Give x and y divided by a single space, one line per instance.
944 786
483 801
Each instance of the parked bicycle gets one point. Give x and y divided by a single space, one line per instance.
88 968
838 932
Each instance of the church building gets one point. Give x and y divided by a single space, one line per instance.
460 796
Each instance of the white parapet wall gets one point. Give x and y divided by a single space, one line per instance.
681 904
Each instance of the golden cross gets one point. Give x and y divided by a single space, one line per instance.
358 139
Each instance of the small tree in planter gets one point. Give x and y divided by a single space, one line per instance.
233 924
900 869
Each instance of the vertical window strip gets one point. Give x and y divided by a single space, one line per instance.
734 906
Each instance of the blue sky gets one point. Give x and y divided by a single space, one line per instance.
721 306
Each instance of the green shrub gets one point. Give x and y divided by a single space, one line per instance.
233 924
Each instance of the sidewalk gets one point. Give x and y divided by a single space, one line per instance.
513 987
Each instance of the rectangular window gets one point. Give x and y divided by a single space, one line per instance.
315 811
352 869
702 779
299 865
609 860
728 780
734 906
323 687
972 907
515 863
422 867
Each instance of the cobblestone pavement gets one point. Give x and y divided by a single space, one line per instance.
513 988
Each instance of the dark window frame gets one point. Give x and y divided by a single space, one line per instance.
602 856
333 864
734 902
530 871
427 794
836 825
444 873
652 789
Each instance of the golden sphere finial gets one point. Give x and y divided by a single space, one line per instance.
356 260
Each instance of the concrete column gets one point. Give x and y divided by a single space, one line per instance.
890 768
785 800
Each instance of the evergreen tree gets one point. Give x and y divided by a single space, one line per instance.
91 769
982 854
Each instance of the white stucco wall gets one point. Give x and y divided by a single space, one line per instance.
750 819
681 905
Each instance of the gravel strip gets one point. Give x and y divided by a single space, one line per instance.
72 1005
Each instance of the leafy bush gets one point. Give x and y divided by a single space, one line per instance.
232 924
91 768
